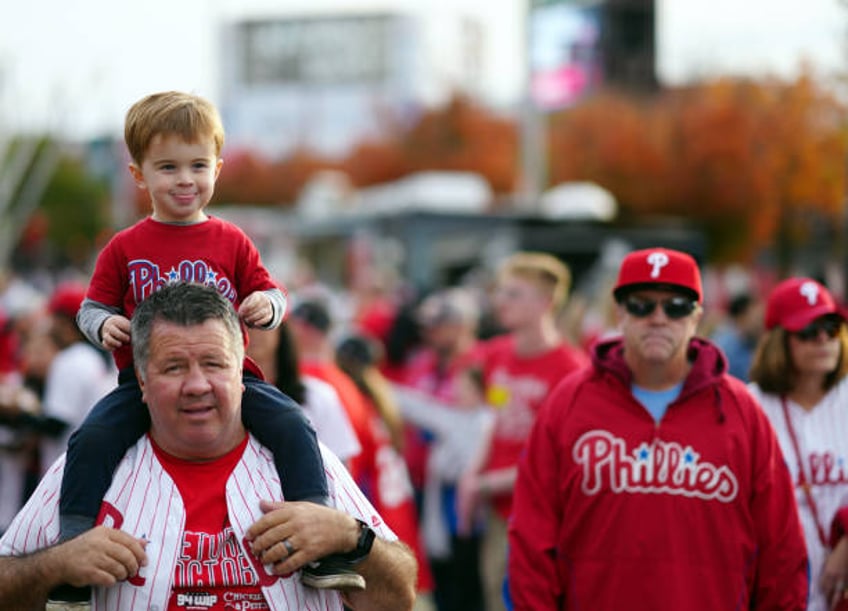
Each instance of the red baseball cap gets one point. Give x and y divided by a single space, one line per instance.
796 302
67 299
658 268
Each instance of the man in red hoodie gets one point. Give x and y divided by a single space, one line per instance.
652 480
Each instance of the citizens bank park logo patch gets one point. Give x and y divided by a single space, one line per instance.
662 467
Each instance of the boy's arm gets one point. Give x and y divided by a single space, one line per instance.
279 303
254 308
90 318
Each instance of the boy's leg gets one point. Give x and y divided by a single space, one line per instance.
113 425
280 425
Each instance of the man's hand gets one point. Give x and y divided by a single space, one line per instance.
256 310
115 332
99 557
314 531
292 534
102 556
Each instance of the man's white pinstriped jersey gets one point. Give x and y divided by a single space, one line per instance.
144 501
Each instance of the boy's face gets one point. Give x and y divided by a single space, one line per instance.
180 177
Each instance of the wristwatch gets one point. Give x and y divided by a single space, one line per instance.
363 544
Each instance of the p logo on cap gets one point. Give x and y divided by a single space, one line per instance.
810 290
659 268
658 260
796 302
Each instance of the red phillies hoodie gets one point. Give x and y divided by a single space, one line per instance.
614 511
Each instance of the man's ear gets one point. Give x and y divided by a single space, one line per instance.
141 385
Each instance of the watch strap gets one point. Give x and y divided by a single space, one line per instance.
363 544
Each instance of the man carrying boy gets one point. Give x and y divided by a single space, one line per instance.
195 518
175 141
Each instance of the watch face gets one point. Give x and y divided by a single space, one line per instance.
366 539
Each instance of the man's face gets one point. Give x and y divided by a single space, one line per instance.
656 339
193 390
518 302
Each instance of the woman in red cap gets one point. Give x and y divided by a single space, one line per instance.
799 377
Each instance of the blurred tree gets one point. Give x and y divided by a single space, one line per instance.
77 208
464 136
459 136
54 208
754 162
248 177
376 161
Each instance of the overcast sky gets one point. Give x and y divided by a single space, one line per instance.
76 65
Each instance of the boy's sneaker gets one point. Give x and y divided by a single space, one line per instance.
332 573
69 598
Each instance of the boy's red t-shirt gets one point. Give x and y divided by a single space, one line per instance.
141 259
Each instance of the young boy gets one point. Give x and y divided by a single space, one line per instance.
175 141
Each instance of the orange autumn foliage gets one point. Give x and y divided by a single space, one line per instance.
463 136
752 162
749 161
459 136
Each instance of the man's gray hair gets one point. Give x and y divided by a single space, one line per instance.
185 304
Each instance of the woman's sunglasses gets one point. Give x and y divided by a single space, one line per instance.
830 327
674 307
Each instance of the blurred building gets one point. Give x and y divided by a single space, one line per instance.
432 229
327 80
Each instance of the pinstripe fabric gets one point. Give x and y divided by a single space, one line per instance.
144 502
822 435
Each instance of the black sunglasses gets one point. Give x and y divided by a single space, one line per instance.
674 307
811 332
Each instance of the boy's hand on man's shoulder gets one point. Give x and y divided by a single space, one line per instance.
115 332
256 310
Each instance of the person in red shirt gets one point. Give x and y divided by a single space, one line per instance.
520 369
310 325
652 479
378 469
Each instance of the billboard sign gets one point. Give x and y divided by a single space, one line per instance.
564 53
327 50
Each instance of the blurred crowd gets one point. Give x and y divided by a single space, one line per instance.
428 398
